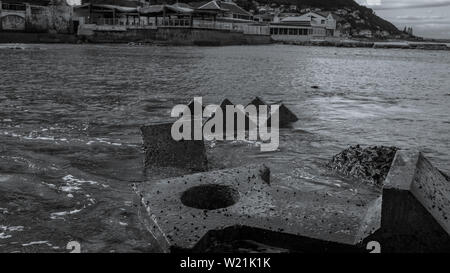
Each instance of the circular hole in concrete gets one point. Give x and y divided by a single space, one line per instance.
210 196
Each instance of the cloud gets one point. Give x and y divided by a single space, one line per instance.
419 18
418 4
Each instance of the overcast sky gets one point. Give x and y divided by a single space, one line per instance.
429 18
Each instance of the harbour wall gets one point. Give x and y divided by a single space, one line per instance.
174 36
29 38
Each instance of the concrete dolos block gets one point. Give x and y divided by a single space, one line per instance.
285 116
162 150
247 122
196 211
415 207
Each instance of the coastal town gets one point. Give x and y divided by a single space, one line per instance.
215 22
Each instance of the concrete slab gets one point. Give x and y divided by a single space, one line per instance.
415 207
191 212
162 150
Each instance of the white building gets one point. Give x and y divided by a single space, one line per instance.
311 25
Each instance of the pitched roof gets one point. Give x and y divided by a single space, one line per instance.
154 9
210 5
182 5
197 4
234 8
326 13
223 6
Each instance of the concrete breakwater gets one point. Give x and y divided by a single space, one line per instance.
215 209
174 36
367 44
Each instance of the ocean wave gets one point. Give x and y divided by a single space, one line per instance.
59 215
5 229
73 184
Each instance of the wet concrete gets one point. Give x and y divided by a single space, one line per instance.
415 207
210 211
162 150
247 205
222 210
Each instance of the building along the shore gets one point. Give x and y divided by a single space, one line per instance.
308 26
36 16
122 20
122 15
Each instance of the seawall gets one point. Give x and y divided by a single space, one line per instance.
28 38
176 36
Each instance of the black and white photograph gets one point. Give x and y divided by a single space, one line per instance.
225 127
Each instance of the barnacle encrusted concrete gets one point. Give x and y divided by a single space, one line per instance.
195 212
188 212
415 206
162 150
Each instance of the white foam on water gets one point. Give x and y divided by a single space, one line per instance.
69 188
39 138
103 140
5 229
59 215
37 243
73 184
4 236
53 186
12 46
31 137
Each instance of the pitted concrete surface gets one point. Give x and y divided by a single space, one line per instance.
260 205
162 150
415 206
411 171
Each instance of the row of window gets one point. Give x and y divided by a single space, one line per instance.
7 6
290 31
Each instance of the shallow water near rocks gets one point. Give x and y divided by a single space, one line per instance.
70 144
